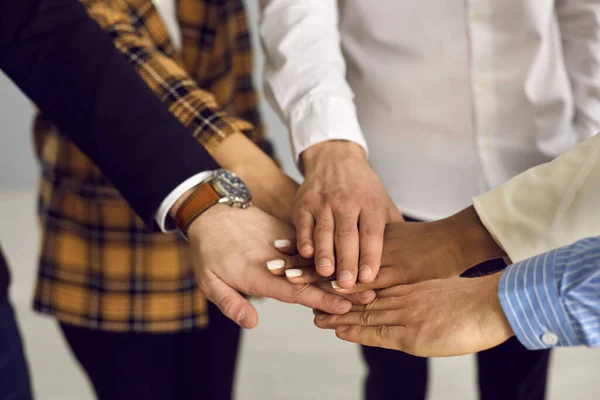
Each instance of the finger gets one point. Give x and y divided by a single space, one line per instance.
363 297
389 337
286 246
233 305
364 318
324 241
306 295
372 228
397 291
394 215
302 275
346 247
381 304
304 223
387 276
278 266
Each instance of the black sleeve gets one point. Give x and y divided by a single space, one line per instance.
70 68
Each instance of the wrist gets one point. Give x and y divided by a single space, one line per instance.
494 306
331 150
473 242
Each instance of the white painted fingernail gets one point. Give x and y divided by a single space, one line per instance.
275 264
335 285
282 243
293 273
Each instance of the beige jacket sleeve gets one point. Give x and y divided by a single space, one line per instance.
548 206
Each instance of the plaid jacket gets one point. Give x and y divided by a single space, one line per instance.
99 266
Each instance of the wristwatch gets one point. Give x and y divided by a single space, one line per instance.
223 187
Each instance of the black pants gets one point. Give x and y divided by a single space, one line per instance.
14 373
197 364
506 372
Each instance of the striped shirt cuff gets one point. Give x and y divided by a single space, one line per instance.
533 306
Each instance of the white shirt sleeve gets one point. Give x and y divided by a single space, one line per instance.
305 72
549 206
162 218
579 22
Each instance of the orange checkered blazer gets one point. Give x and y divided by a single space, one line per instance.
100 267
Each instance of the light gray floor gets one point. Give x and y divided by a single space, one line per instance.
286 357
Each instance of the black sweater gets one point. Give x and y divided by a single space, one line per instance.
69 67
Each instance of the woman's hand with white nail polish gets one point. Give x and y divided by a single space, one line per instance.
230 249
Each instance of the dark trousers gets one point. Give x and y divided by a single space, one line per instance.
14 373
196 364
506 372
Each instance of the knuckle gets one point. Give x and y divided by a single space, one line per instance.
304 224
347 264
382 332
322 228
228 304
372 230
367 318
346 231
298 289
203 286
373 304
321 254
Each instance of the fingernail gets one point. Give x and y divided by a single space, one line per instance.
335 285
321 317
275 264
324 262
241 316
345 276
293 273
343 328
282 243
306 247
364 272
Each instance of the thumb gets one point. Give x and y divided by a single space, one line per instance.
231 303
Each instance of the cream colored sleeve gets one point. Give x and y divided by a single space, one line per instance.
548 206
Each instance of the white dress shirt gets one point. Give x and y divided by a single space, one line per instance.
452 97
168 12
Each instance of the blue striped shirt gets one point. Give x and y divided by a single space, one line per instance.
553 299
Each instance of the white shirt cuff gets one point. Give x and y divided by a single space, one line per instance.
165 223
321 119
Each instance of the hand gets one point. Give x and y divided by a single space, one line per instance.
415 252
342 205
229 248
438 318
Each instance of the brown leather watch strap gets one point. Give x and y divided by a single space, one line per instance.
204 197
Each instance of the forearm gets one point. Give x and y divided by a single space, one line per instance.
69 67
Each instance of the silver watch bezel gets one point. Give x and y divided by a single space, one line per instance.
226 197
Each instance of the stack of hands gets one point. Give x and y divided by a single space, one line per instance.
368 275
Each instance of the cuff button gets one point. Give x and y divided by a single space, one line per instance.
549 339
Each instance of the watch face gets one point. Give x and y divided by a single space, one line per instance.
228 184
